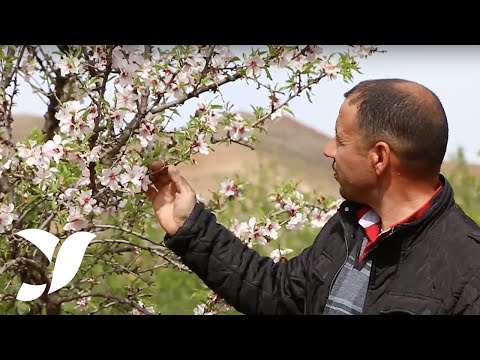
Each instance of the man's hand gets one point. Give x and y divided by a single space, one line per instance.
173 199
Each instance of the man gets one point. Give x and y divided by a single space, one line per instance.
398 244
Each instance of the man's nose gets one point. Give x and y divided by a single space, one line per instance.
330 149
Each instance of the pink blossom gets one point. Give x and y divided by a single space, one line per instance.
277 254
85 199
111 178
200 145
238 130
229 188
270 229
83 302
75 220
297 222
254 66
7 217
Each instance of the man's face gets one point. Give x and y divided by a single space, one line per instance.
352 164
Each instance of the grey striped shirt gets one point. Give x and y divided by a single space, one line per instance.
350 288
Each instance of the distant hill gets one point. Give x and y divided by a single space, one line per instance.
24 124
295 149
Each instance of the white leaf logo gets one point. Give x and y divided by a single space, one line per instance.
68 260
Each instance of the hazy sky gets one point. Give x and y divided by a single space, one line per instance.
452 72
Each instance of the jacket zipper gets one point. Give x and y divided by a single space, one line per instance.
340 268
371 279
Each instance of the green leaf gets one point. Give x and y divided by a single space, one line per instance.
287 109
308 96
78 52
22 308
268 73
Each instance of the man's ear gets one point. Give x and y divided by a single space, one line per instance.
380 157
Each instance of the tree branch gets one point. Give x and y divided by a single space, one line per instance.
20 261
108 70
128 231
197 92
310 83
22 217
11 52
115 298
8 265
51 123
113 263
34 52
214 141
9 73
136 122
147 248
205 69
46 223
116 271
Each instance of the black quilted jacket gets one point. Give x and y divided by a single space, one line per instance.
427 267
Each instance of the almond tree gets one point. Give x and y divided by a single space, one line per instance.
109 112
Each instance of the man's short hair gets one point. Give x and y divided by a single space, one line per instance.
406 115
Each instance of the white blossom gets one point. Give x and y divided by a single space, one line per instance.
254 66
83 302
200 145
75 220
297 222
201 310
111 178
277 254
7 217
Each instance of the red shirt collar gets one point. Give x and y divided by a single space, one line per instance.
371 222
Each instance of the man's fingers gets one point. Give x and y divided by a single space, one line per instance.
181 184
157 165
151 193
163 175
158 169
159 175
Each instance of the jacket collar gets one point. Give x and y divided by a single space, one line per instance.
441 202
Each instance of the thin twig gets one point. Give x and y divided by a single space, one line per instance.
128 231
199 91
214 141
313 82
19 222
47 221
147 248
113 263
116 298
20 261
